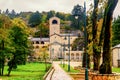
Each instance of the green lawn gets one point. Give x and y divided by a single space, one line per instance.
30 71
117 70
71 69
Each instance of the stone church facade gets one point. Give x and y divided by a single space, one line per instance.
58 43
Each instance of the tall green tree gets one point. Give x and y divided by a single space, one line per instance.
12 14
78 13
60 15
5 47
116 31
106 66
35 19
7 12
19 34
50 14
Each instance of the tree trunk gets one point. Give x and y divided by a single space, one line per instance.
3 58
12 64
96 52
0 68
96 60
3 62
106 67
9 70
85 55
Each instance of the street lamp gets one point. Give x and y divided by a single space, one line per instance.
60 54
52 54
68 51
77 13
85 50
63 54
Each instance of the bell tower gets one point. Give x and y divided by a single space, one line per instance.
54 25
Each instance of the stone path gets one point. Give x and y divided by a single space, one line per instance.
59 73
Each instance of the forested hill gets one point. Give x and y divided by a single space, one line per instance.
39 20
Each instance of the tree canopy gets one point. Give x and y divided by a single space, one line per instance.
116 31
35 19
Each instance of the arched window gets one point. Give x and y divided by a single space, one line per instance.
42 42
37 42
54 22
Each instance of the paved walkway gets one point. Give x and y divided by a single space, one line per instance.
59 73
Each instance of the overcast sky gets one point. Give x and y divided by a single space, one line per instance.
45 5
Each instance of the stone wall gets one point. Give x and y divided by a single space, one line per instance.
105 77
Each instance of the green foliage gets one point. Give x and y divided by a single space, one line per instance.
5 45
50 14
60 15
12 14
19 36
116 31
35 19
78 44
43 30
78 12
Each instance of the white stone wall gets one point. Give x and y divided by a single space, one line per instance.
115 55
74 55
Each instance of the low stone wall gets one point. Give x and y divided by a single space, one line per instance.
45 76
105 77
81 76
95 76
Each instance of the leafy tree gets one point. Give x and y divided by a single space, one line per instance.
116 31
50 14
60 15
7 12
78 44
19 34
45 55
12 14
44 17
5 45
106 66
35 19
43 30
78 12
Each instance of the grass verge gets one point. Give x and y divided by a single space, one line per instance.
30 71
72 70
